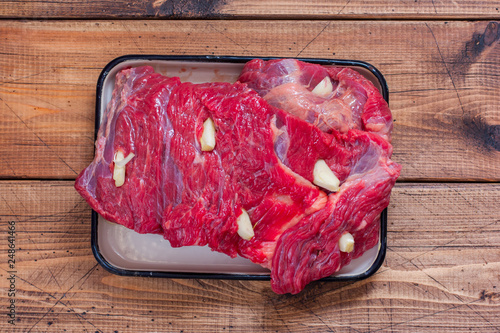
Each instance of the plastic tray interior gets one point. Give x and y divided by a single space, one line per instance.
125 252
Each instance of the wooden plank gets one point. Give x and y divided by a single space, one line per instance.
442 76
311 9
440 274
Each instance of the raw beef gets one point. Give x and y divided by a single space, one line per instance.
262 164
242 172
362 163
352 102
134 121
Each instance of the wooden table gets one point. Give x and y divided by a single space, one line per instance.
442 63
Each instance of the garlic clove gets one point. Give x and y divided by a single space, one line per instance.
346 243
118 156
324 177
324 88
119 176
207 140
119 168
245 229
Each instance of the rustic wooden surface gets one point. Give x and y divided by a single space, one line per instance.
442 270
227 9
442 77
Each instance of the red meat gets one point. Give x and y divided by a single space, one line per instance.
263 163
134 122
242 172
288 84
362 163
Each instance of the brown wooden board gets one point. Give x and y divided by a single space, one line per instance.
440 274
325 9
442 77
441 271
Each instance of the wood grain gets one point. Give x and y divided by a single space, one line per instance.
441 271
440 274
442 76
309 9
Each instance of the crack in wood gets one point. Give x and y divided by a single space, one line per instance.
312 40
345 5
446 68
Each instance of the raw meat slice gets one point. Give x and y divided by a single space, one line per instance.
355 209
262 163
361 161
134 122
289 84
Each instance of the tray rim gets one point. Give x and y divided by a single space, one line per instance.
377 263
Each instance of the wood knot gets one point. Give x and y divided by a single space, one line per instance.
489 296
480 132
475 47
491 33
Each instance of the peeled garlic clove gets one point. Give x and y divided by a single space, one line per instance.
324 176
118 156
119 168
207 140
324 88
346 243
119 176
245 229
